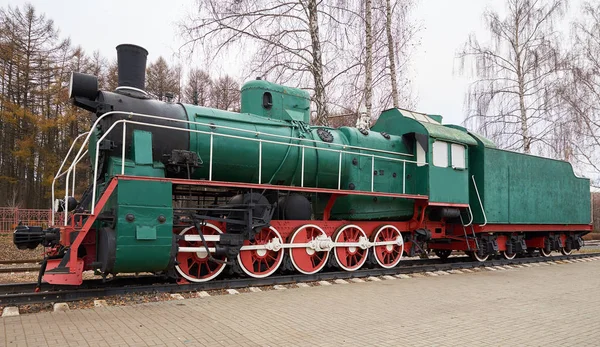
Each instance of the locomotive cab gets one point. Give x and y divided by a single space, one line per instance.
440 150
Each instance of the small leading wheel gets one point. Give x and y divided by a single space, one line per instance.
353 257
388 255
509 255
197 266
443 253
308 260
260 263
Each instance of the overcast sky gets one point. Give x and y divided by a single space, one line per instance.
152 24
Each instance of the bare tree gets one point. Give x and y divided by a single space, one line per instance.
162 79
295 42
225 94
388 52
111 78
391 52
581 91
315 45
368 58
198 87
515 95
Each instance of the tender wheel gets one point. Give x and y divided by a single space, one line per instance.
308 260
443 253
509 256
566 251
478 257
197 266
568 248
545 252
350 258
261 263
388 256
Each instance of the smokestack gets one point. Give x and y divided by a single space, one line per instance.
131 60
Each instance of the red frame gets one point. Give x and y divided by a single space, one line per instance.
86 236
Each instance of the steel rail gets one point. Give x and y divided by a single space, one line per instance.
27 261
4 270
15 288
236 283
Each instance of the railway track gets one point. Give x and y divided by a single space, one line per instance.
22 293
15 266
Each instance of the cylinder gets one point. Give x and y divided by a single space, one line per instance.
131 60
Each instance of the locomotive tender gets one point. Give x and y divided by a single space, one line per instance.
188 191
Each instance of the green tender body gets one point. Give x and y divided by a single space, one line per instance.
523 189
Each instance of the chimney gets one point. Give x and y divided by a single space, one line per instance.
131 60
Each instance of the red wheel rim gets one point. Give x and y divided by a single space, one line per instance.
261 263
388 256
307 260
350 258
196 266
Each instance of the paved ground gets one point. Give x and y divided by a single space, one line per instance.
543 305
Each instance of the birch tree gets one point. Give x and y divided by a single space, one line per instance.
285 35
368 59
384 56
514 97
391 52
581 91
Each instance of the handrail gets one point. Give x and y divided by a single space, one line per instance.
79 154
470 214
255 133
132 88
58 172
212 134
480 203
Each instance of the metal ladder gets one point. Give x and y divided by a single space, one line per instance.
470 224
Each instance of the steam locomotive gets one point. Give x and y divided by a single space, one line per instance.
189 192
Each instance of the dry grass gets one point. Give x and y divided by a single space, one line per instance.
8 251
592 236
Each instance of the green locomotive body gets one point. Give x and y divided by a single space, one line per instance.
183 190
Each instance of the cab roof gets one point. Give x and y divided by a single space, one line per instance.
399 122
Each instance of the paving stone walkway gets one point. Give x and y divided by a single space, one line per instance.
554 305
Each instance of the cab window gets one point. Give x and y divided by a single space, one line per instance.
458 156
440 154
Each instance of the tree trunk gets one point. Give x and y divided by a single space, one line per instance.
391 52
521 84
317 65
368 59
